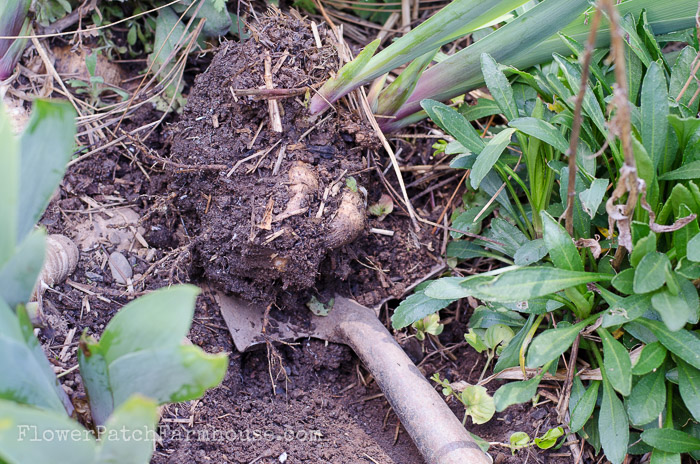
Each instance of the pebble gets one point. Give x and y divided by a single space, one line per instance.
94 276
282 458
120 267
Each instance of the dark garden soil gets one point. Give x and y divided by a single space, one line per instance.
169 207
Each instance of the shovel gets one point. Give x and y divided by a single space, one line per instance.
437 433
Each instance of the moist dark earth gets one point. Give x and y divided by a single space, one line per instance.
307 402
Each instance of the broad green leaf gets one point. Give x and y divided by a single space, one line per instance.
650 358
475 340
590 105
593 196
627 309
156 320
19 274
499 87
689 386
628 24
634 73
654 112
489 156
126 434
648 398
519 439
662 457
551 344
531 252
484 107
617 363
478 404
189 372
506 233
682 236
650 274
465 222
680 73
20 424
463 249
449 120
46 146
528 283
414 308
693 249
549 439
670 440
613 425
497 334
27 383
687 171
517 392
584 407
511 354
685 128
673 309
9 187
451 288
624 280
682 343
560 245
484 317
95 376
541 130
643 247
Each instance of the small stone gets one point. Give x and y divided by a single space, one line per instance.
282 458
94 276
120 267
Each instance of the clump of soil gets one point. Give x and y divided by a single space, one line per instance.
268 206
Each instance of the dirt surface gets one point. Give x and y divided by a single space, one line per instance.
266 224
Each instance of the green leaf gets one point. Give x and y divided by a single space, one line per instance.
528 283
560 245
627 309
46 146
475 341
590 105
693 249
682 343
511 354
451 288
531 252
517 392
489 156
634 73
519 439
670 440
9 187
506 233
648 398
449 120
689 386
484 107
593 196
127 433
644 246
499 87
584 407
18 276
478 403
19 424
687 171
414 308
541 130
654 112
189 372
552 343
549 439
613 425
484 317
662 457
650 358
650 274
628 24
673 309
680 73
624 280
158 319
617 363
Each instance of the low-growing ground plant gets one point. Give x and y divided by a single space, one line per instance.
594 186
140 360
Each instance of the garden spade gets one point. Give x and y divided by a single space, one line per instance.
437 433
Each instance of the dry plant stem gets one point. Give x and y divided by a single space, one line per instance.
576 128
272 105
628 181
563 406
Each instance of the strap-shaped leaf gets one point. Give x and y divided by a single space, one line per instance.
654 112
613 425
617 363
489 156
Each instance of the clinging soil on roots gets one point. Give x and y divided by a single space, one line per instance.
269 205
